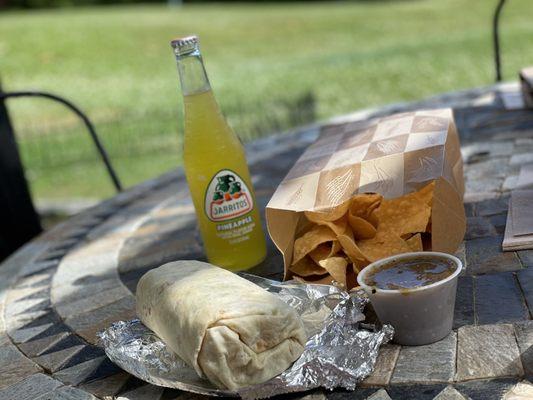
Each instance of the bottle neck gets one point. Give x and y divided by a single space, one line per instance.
193 77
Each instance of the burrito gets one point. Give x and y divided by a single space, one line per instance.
228 329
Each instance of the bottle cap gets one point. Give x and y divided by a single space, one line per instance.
185 45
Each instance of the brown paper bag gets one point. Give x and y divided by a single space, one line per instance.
392 156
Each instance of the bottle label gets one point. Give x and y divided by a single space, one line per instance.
227 197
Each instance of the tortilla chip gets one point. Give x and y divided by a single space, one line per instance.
310 241
330 214
415 242
363 205
338 226
336 266
360 203
303 227
348 232
349 247
335 248
361 228
307 267
426 193
403 215
320 253
373 218
384 244
374 206
366 228
325 250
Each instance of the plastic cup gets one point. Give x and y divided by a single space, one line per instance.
420 315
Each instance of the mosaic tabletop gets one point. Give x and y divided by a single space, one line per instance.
58 291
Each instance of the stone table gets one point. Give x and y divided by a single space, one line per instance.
59 290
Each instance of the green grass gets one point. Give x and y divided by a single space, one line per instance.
272 66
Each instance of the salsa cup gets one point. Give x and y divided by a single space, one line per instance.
420 315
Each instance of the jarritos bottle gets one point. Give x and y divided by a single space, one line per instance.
216 170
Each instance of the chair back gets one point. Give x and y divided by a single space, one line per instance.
19 222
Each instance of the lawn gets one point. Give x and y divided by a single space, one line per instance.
272 66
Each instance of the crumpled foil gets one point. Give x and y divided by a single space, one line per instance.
340 352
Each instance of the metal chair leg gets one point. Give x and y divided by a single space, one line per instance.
496 39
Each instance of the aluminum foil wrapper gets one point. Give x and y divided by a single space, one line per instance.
341 350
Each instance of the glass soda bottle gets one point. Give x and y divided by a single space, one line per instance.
216 170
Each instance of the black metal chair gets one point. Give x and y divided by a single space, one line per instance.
496 39
19 221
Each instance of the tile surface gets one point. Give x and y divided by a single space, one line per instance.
411 392
426 364
499 221
358 394
54 360
492 206
92 302
479 227
525 279
521 391
449 393
76 374
524 338
36 347
484 255
81 272
67 393
148 392
385 363
31 388
106 387
498 299
14 366
487 351
381 394
464 302
486 390
526 257
91 322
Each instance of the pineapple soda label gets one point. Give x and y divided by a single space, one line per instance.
226 199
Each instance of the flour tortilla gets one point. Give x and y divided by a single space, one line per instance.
228 329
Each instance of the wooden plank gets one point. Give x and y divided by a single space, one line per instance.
526 83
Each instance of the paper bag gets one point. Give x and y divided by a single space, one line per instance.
392 156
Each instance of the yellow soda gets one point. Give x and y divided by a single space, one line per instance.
216 170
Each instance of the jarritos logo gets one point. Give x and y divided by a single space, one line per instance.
227 197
